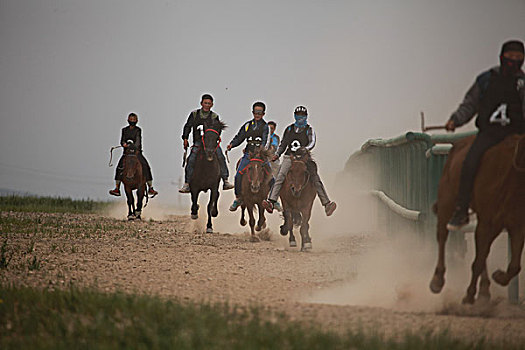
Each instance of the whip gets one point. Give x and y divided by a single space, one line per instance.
111 154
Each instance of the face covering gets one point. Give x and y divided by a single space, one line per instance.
132 123
510 67
300 121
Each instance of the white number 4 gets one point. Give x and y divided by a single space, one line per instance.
500 115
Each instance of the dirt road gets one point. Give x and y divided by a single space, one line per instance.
173 258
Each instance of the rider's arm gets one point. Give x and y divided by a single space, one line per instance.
311 139
284 143
265 134
187 127
122 138
138 140
240 137
469 107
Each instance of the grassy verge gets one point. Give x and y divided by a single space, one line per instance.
50 204
43 319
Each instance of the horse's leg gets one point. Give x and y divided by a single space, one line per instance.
514 267
251 220
484 285
484 236
129 200
212 208
306 241
194 204
287 228
140 198
243 219
261 223
438 280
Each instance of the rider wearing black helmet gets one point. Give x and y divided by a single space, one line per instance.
296 135
134 133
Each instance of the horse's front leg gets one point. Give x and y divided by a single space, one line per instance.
306 241
484 236
438 279
514 267
140 198
194 204
212 209
243 219
251 220
261 223
131 205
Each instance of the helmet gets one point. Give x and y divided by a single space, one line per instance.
301 110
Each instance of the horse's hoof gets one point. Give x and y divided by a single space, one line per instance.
243 222
500 277
306 246
138 217
257 228
194 216
254 238
209 230
131 217
293 244
436 285
468 299
284 230
214 213
483 298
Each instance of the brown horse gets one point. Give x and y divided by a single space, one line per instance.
133 179
297 195
207 173
498 199
255 187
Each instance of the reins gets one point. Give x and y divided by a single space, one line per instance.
514 159
202 138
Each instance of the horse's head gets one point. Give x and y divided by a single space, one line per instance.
298 175
258 171
211 138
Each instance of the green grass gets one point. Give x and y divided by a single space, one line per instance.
50 204
85 319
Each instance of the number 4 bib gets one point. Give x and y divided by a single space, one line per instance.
500 115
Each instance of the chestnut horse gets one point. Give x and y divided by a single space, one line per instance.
498 199
207 173
133 179
255 186
297 195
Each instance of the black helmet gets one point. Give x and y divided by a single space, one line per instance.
301 110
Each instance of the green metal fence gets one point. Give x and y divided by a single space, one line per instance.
404 173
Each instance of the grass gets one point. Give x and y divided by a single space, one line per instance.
50 204
83 319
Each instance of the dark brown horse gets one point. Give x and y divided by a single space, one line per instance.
297 195
498 199
255 187
133 179
207 173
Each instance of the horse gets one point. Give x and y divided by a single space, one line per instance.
498 199
255 186
297 195
207 173
133 179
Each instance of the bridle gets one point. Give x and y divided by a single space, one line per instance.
202 138
307 177
250 165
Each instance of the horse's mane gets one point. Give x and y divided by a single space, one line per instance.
302 154
263 153
217 125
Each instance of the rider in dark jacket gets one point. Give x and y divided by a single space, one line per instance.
195 123
497 98
296 135
134 133
255 132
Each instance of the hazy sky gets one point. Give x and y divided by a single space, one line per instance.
71 71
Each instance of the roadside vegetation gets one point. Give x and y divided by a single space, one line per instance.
51 204
74 318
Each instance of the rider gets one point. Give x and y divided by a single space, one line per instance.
255 132
195 122
273 145
298 134
134 133
497 97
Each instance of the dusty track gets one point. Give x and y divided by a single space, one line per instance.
172 258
